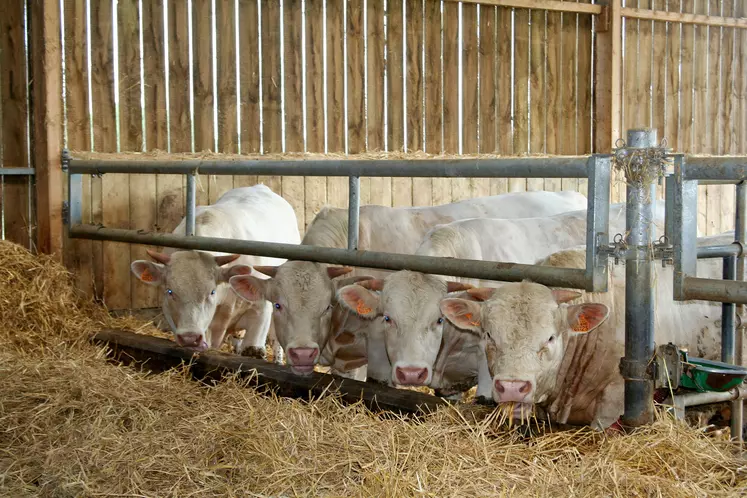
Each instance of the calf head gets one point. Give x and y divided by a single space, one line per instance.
193 284
407 309
302 294
525 329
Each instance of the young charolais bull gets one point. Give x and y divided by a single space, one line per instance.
408 342
546 351
196 300
303 294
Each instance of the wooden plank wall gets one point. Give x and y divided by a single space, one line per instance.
16 192
689 82
352 76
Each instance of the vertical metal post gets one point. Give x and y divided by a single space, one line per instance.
191 201
597 222
740 231
75 194
685 228
669 208
727 314
639 288
354 208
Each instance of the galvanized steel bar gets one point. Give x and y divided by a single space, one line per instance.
487 270
706 398
740 232
706 252
639 287
685 228
75 196
17 171
597 221
354 209
518 167
711 289
191 205
718 168
727 314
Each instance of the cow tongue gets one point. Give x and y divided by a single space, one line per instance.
302 369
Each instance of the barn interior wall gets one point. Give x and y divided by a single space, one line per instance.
351 76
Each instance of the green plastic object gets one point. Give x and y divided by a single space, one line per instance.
705 375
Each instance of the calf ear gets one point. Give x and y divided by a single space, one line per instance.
267 270
224 260
481 293
583 318
145 271
249 288
339 284
336 271
360 301
462 313
162 258
374 284
564 296
452 286
232 271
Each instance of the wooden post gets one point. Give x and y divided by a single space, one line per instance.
46 95
607 81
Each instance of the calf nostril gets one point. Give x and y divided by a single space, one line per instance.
423 374
525 388
499 386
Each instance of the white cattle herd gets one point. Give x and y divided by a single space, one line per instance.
554 351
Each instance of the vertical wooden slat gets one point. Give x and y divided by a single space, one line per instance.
144 214
441 190
583 112
521 91
422 188
171 187
337 187
356 88
114 187
401 187
315 187
488 83
293 186
741 118
451 87
478 187
709 126
568 97
537 107
644 77
248 85
142 208
202 52
14 113
672 124
727 89
272 117
551 98
46 87
78 136
381 188
226 79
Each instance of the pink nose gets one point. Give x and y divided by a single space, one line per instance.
303 356
513 390
411 376
189 339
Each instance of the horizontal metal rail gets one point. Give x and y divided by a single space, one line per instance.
518 167
719 168
706 252
711 289
17 171
487 270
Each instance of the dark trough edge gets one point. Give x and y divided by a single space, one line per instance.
157 355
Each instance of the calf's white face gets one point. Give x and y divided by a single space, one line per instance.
193 284
302 295
525 328
407 309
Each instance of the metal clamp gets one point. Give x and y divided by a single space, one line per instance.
642 164
637 370
65 159
617 249
664 251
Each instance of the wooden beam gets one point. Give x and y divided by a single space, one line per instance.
157 354
47 115
704 20
579 8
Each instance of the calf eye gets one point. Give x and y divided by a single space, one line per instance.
277 306
440 321
386 318
212 292
551 339
169 292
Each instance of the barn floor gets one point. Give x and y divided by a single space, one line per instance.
75 425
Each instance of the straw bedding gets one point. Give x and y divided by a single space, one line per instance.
72 424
